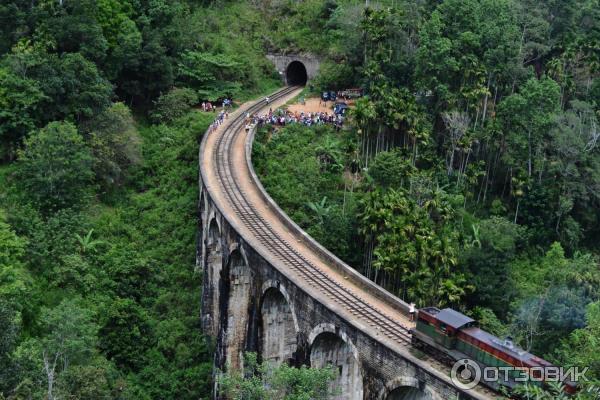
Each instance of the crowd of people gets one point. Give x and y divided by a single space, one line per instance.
223 114
210 107
221 117
281 117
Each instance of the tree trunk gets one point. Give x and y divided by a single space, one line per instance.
485 100
451 163
529 158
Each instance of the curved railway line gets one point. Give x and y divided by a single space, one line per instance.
228 176
281 249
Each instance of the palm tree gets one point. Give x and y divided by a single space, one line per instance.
364 115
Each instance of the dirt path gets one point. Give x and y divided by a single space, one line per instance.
312 104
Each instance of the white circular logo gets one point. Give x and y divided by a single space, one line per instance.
465 374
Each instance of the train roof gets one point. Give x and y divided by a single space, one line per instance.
506 346
450 317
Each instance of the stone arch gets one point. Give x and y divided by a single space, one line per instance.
295 73
407 388
212 277
214 234
239 299
279 326
329 346
407 393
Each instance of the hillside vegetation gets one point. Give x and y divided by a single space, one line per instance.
469 175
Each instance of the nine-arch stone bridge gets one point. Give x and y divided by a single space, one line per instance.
271 289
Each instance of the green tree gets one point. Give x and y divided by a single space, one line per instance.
11 324
581 347
111 15
19 102
55 167
330 155
527 117
14 15
16 284
174 104
334 76
92 381
570 177
557 391
391 169
73 28
552 293
69 340
115 144
72 86
489 260
321 209
263 381
467 49
213 75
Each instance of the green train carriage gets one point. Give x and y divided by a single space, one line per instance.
451 336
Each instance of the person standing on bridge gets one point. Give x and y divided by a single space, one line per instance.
412 311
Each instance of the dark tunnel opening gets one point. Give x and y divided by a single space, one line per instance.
296 74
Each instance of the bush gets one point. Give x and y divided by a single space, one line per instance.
334 76
174 104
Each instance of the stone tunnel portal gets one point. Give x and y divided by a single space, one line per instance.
296 74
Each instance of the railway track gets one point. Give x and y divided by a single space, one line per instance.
282 249
227 176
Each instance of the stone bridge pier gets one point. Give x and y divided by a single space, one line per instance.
249 305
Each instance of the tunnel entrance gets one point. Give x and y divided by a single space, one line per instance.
295 74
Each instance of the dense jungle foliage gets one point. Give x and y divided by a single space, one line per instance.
99 298
469 175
